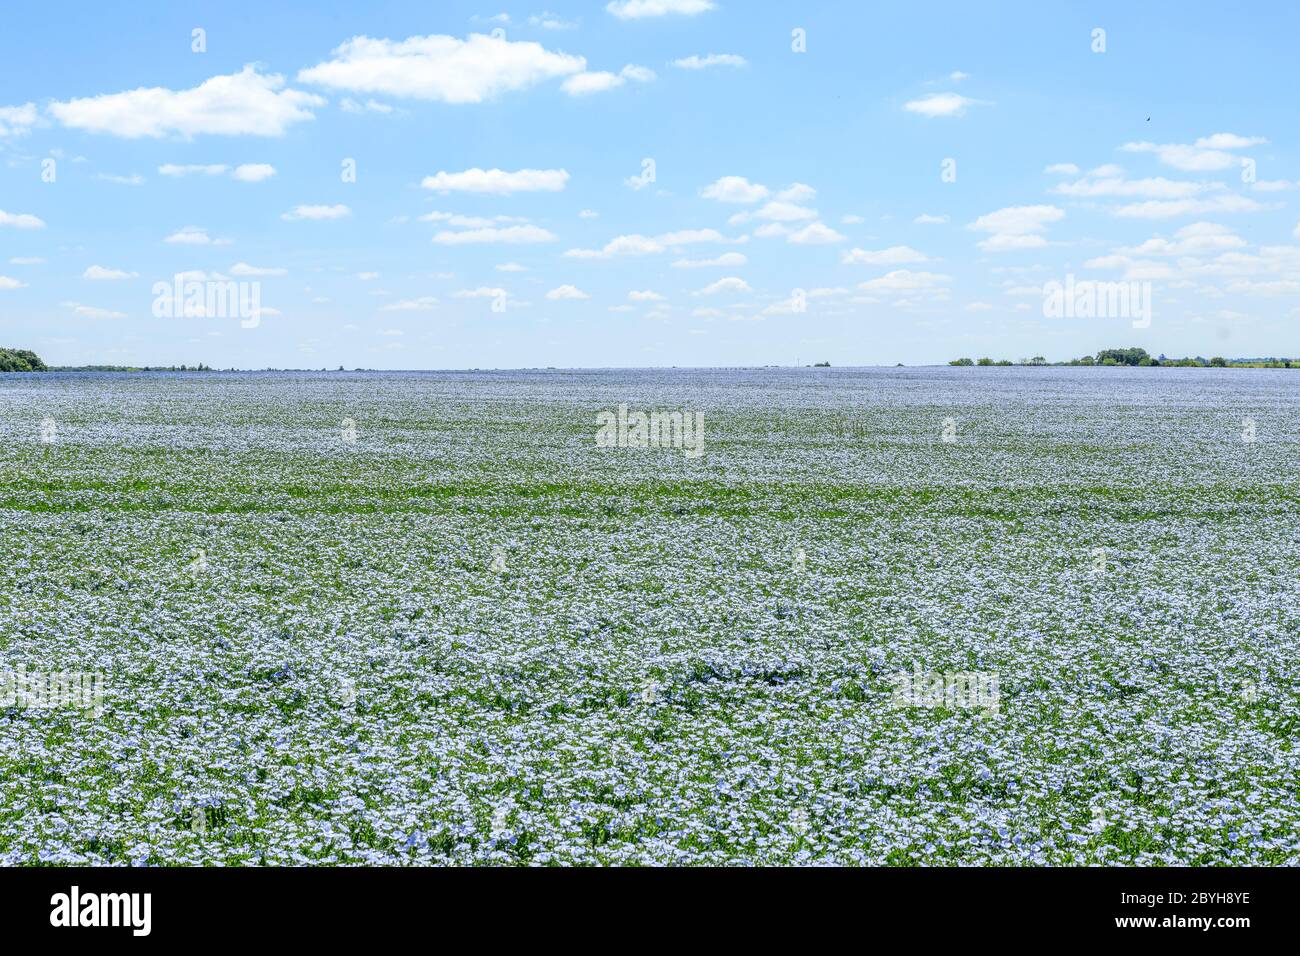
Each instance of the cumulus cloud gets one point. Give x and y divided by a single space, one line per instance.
192 169
566 292
893 256
904 280
245 103
7 282
20 220
338 211
93 312
422 304
633 245
1197 239
940 104
735 189
244 269
1156 187
253 172
639 9
1016 227
726 259
17 120
696 62
638 245
1168 209
582 84
190 236
1207 154
729 284
815 234
441 68
504 234
482 292
498 181
927 219
102 274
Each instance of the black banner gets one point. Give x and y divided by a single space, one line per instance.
336 905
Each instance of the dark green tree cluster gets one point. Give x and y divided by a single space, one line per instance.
20 360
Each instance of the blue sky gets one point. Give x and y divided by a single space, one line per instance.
501 217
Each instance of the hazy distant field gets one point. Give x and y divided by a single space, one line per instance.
457 630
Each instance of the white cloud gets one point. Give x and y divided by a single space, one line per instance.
797 192
588 214
1156 209
638 245
482 292
316 213
638 9
133 180
244 269
212 169
893 256
100 273
26 261
422 304
685 237
93 312
697 62
349 105
633 245
1229 141
645 296
468 222
566 292
729 284
6 282
498 181
779 210
1275 185
815 234
1018 220
253 172
1197 239
244 103
582 84
367 276
1008 242
735 189
17 120
1062 169
550 21
1016 227
1206 155
20 220
1153 188
904 280
726 259
441 68
940 104
506 234
927 219
510 267
189 236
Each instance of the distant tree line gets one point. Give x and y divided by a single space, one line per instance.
1140 358
20 360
